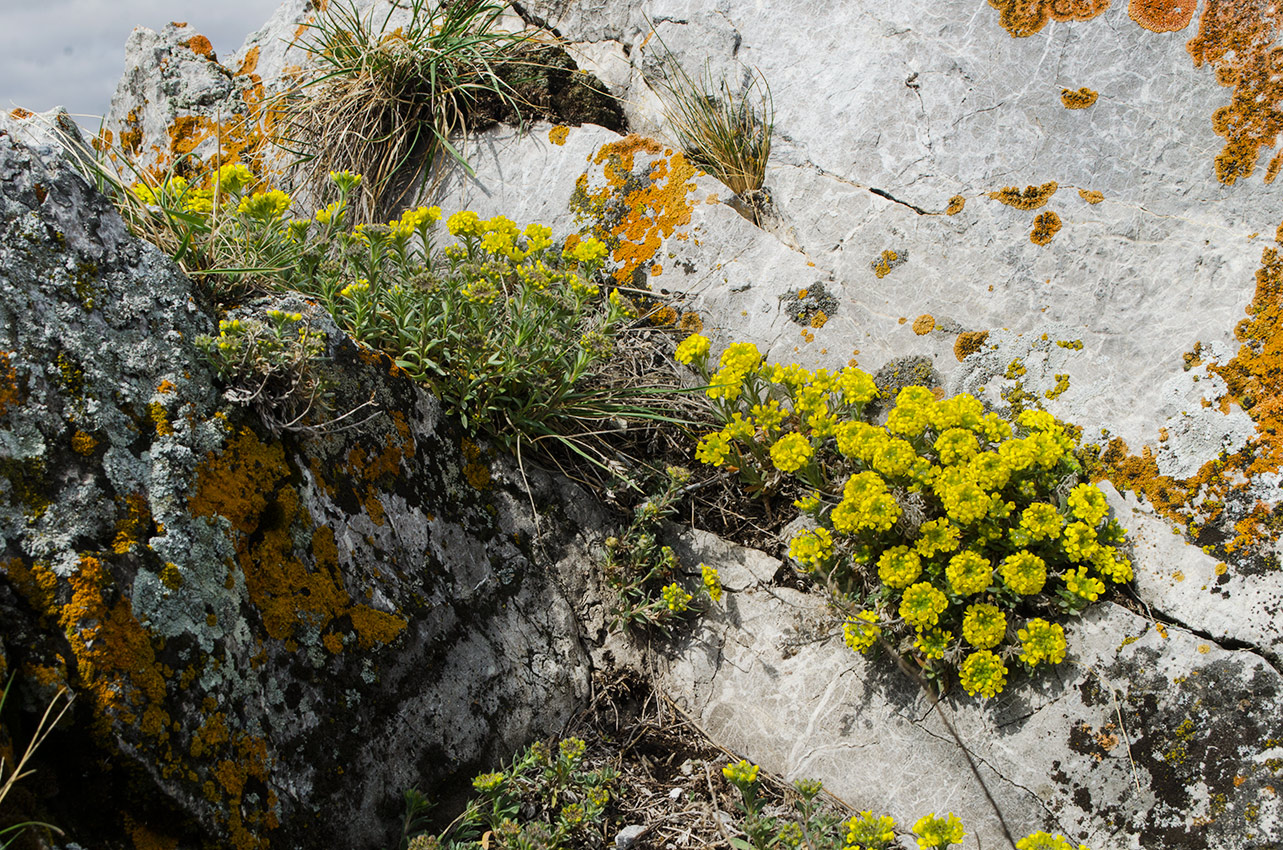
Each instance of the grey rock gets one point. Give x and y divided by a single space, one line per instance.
274 635
627 837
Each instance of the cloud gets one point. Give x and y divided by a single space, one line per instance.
72 52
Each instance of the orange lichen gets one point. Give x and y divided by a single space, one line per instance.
1046 226
635 210
165 387
956 203
1025 17
1031 198
10 395
924 324
557 135
1162 15
887 261
1078 99
82 443
691 323
1091 196
819 320
968 343
246 485
1254 381
249 63
200 45
20 114
475 470
36 582
1238 39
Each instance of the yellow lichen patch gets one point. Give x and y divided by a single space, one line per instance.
114 654
1031 198
819 320
885 262
924 324
9 393
1162 15
165 387
1046 226
691 323
236 485
956 204
557 135
37 583
160 419
135 521
968 343
634 212
475 470
1062 384
1025 17
82 443
145 838
1079 98
1091 196
1238 39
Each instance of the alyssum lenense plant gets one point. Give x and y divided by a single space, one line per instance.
546 798
818 827
510 330
644 573
949 532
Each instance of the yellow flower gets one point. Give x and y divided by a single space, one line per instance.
265 206
713 449
234 178
1041 641
922 605
740 773
1079 583
1024 572
1042 521
588 250
1088 504
712 581
899 567
791 453
693 348
983 673
464 223
983 625
968 573
811 548
862 631
677 599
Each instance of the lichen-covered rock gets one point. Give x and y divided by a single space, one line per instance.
272 635
1146 736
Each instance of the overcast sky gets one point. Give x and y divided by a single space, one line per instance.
72 52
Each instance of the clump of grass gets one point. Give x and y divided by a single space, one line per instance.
726 131
384 97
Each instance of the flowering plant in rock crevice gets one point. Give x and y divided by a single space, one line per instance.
512 331
950 533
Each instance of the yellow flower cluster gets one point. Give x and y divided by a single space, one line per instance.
590 250
790 453
677 599
1042 641
983 673
811 548
899 567
693 348
866 505
712 581
265 206
922 604
411 221
984 625
862 631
